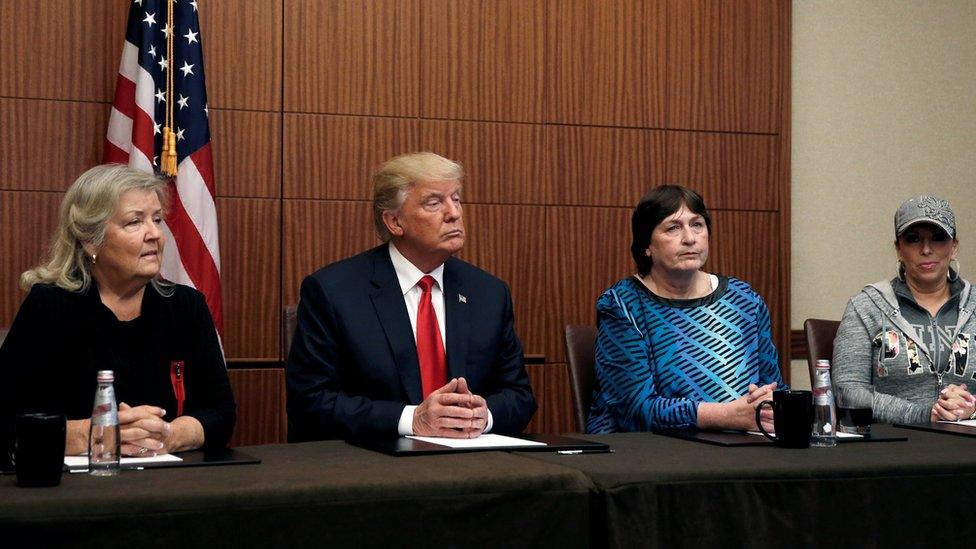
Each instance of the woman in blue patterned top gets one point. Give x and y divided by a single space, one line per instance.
678 347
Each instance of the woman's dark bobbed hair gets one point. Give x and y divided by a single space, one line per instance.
656 206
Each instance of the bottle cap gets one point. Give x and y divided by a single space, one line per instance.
823 363
106 375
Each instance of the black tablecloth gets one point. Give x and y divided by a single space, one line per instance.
666 492
653 491
312 494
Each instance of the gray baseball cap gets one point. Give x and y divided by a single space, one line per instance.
925 209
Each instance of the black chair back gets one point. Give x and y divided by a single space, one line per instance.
820 341
289 321
581 354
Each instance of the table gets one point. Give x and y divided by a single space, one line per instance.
313 494
659 491
654 491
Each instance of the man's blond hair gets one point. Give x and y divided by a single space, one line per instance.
397 175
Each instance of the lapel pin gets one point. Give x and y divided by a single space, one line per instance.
462 299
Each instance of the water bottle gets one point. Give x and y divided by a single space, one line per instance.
104 439
824 413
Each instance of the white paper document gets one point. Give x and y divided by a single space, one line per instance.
484 441
81 462
966 422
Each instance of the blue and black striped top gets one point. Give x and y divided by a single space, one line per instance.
657 358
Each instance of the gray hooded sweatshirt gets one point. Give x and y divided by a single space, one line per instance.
877 345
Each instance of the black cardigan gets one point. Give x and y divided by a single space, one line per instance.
60 339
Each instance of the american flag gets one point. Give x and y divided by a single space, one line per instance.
135 136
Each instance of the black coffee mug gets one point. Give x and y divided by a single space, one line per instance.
39 449
792 418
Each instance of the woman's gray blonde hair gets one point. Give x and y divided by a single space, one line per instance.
87 206
397 175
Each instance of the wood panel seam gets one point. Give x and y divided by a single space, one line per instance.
517 123
54 100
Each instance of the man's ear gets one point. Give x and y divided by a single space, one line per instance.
392 221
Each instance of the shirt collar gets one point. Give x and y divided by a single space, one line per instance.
409 275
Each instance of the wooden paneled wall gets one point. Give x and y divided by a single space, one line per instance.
563 112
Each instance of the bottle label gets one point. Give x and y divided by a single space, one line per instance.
105 411
822 393
109 417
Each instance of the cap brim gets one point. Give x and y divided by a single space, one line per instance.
921 220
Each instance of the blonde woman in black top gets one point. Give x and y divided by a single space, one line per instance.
98 303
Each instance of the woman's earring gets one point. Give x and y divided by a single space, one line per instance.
901 270
953 273
94 258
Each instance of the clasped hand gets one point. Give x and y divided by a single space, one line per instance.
751 401
143 429
452 411
739 413
955 402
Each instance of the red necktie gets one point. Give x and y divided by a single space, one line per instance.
430 347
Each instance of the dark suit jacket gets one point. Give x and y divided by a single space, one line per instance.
353 362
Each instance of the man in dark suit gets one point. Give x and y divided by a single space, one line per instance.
368 355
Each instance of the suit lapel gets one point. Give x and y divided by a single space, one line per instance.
387 298
457 324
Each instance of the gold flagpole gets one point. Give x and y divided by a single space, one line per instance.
168 156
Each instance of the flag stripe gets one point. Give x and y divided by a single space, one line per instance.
145 98
171 256
199 205
130 61
193 253
119 133
115 155
203 159
142 134
125 97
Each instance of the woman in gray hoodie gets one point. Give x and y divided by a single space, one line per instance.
910 336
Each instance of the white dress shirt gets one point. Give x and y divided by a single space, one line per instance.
409 275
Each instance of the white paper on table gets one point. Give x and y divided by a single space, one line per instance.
966 422
838 434
484 441
81 462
